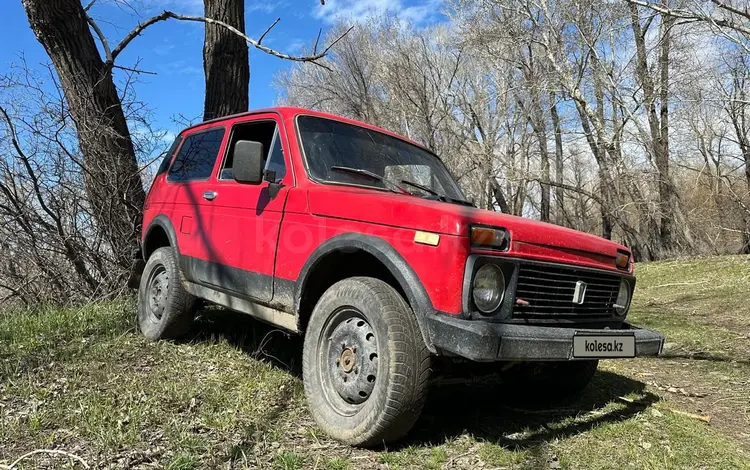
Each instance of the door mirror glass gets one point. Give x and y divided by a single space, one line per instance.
248 162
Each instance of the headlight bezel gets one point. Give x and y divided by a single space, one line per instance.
621 308
498 291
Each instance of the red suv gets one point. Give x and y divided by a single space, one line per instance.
362 241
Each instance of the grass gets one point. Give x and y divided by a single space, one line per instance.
83 381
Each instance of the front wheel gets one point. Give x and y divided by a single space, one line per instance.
365 365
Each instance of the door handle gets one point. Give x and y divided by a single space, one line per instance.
210 195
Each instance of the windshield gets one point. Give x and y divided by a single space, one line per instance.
345 153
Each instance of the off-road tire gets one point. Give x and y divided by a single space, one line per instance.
176 306
403 366
548 384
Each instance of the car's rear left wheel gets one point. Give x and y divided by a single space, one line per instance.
165 309
365 364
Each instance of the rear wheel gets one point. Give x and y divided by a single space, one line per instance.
365 364
165 309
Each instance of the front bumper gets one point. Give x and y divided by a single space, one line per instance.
485 341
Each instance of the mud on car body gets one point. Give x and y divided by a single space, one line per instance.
362 241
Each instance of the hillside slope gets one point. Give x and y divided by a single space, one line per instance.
83 381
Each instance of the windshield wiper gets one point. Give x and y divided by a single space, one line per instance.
436 194
423 188
371 175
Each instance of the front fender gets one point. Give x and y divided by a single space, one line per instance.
385 253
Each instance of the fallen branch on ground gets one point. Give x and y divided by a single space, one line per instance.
44 451
678 390
705 418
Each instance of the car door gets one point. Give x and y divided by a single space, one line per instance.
245 218
188 190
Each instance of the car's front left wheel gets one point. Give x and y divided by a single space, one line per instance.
365 364
165 309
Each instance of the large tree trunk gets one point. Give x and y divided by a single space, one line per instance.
113 183
225 60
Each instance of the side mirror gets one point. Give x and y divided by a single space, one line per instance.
248 162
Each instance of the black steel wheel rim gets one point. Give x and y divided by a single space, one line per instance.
156 292
348 360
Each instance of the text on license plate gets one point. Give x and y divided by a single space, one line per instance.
603 346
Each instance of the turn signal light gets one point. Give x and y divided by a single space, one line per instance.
622 260
490 237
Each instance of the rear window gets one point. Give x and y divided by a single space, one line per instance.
196 158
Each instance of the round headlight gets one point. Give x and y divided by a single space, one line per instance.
623 298
488 288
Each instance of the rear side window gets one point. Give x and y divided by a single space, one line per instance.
196 158
168 156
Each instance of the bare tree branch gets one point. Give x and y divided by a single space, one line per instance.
165 15
700 16
260 40
100 35
731 9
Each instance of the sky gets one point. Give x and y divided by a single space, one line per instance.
173 49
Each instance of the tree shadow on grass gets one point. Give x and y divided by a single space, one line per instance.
702 356
257 339
455 409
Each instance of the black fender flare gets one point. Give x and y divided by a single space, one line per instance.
385 253
139 255
163 222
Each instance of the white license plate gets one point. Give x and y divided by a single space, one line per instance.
596 346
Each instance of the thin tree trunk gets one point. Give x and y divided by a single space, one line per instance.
226 62
536 117
540 129
113 183
559 175
667 191
658 121
499 196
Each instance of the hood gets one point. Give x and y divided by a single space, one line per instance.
411 212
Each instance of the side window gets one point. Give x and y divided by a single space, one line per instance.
264 132
275 160
164 166
197 156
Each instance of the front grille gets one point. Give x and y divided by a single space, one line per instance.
546 292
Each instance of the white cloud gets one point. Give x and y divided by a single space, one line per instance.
422 12
168 137
190 7
165 48
265 6
417 12
180 67
295 46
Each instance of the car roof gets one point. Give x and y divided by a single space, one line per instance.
290 111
